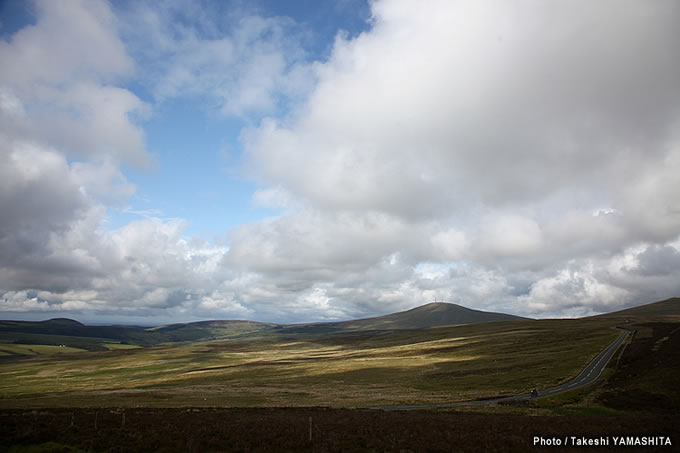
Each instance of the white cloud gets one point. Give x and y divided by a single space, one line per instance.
56 83
316 242
458 103
500 155
21 301
450 245
509 235
241 63
75 39
495 130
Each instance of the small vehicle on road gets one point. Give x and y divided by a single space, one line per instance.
534 393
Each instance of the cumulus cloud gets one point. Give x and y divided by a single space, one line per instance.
56 80
521 157
240 62
67 125
64 130
523 140
55 105
636 274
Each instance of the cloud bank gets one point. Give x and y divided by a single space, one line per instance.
522 157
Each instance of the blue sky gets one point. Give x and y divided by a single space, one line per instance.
196 171
294 161
194 174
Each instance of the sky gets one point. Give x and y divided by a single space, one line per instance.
296 161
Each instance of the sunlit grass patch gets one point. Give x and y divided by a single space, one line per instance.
35 349
113 346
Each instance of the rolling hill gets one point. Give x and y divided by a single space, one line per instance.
68 332
426 316
381 361
430 315
203 330
72 333
668 309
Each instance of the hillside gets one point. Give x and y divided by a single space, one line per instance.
62 331
665 310
381 361
74 334
363 368
430 315
206 330
68 332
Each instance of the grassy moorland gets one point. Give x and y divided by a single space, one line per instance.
183 397
641 380
64 332
70 333
255 365
354 369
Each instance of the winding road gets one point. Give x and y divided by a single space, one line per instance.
589 374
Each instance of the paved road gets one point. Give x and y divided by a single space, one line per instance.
589 374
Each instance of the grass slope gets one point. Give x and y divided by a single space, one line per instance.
70 333
665 310
61 331
393 367
647 376
206 330
430 315
426 316
357 367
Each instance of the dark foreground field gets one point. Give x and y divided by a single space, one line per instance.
333 430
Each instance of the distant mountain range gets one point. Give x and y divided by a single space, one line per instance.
62 331
426 316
